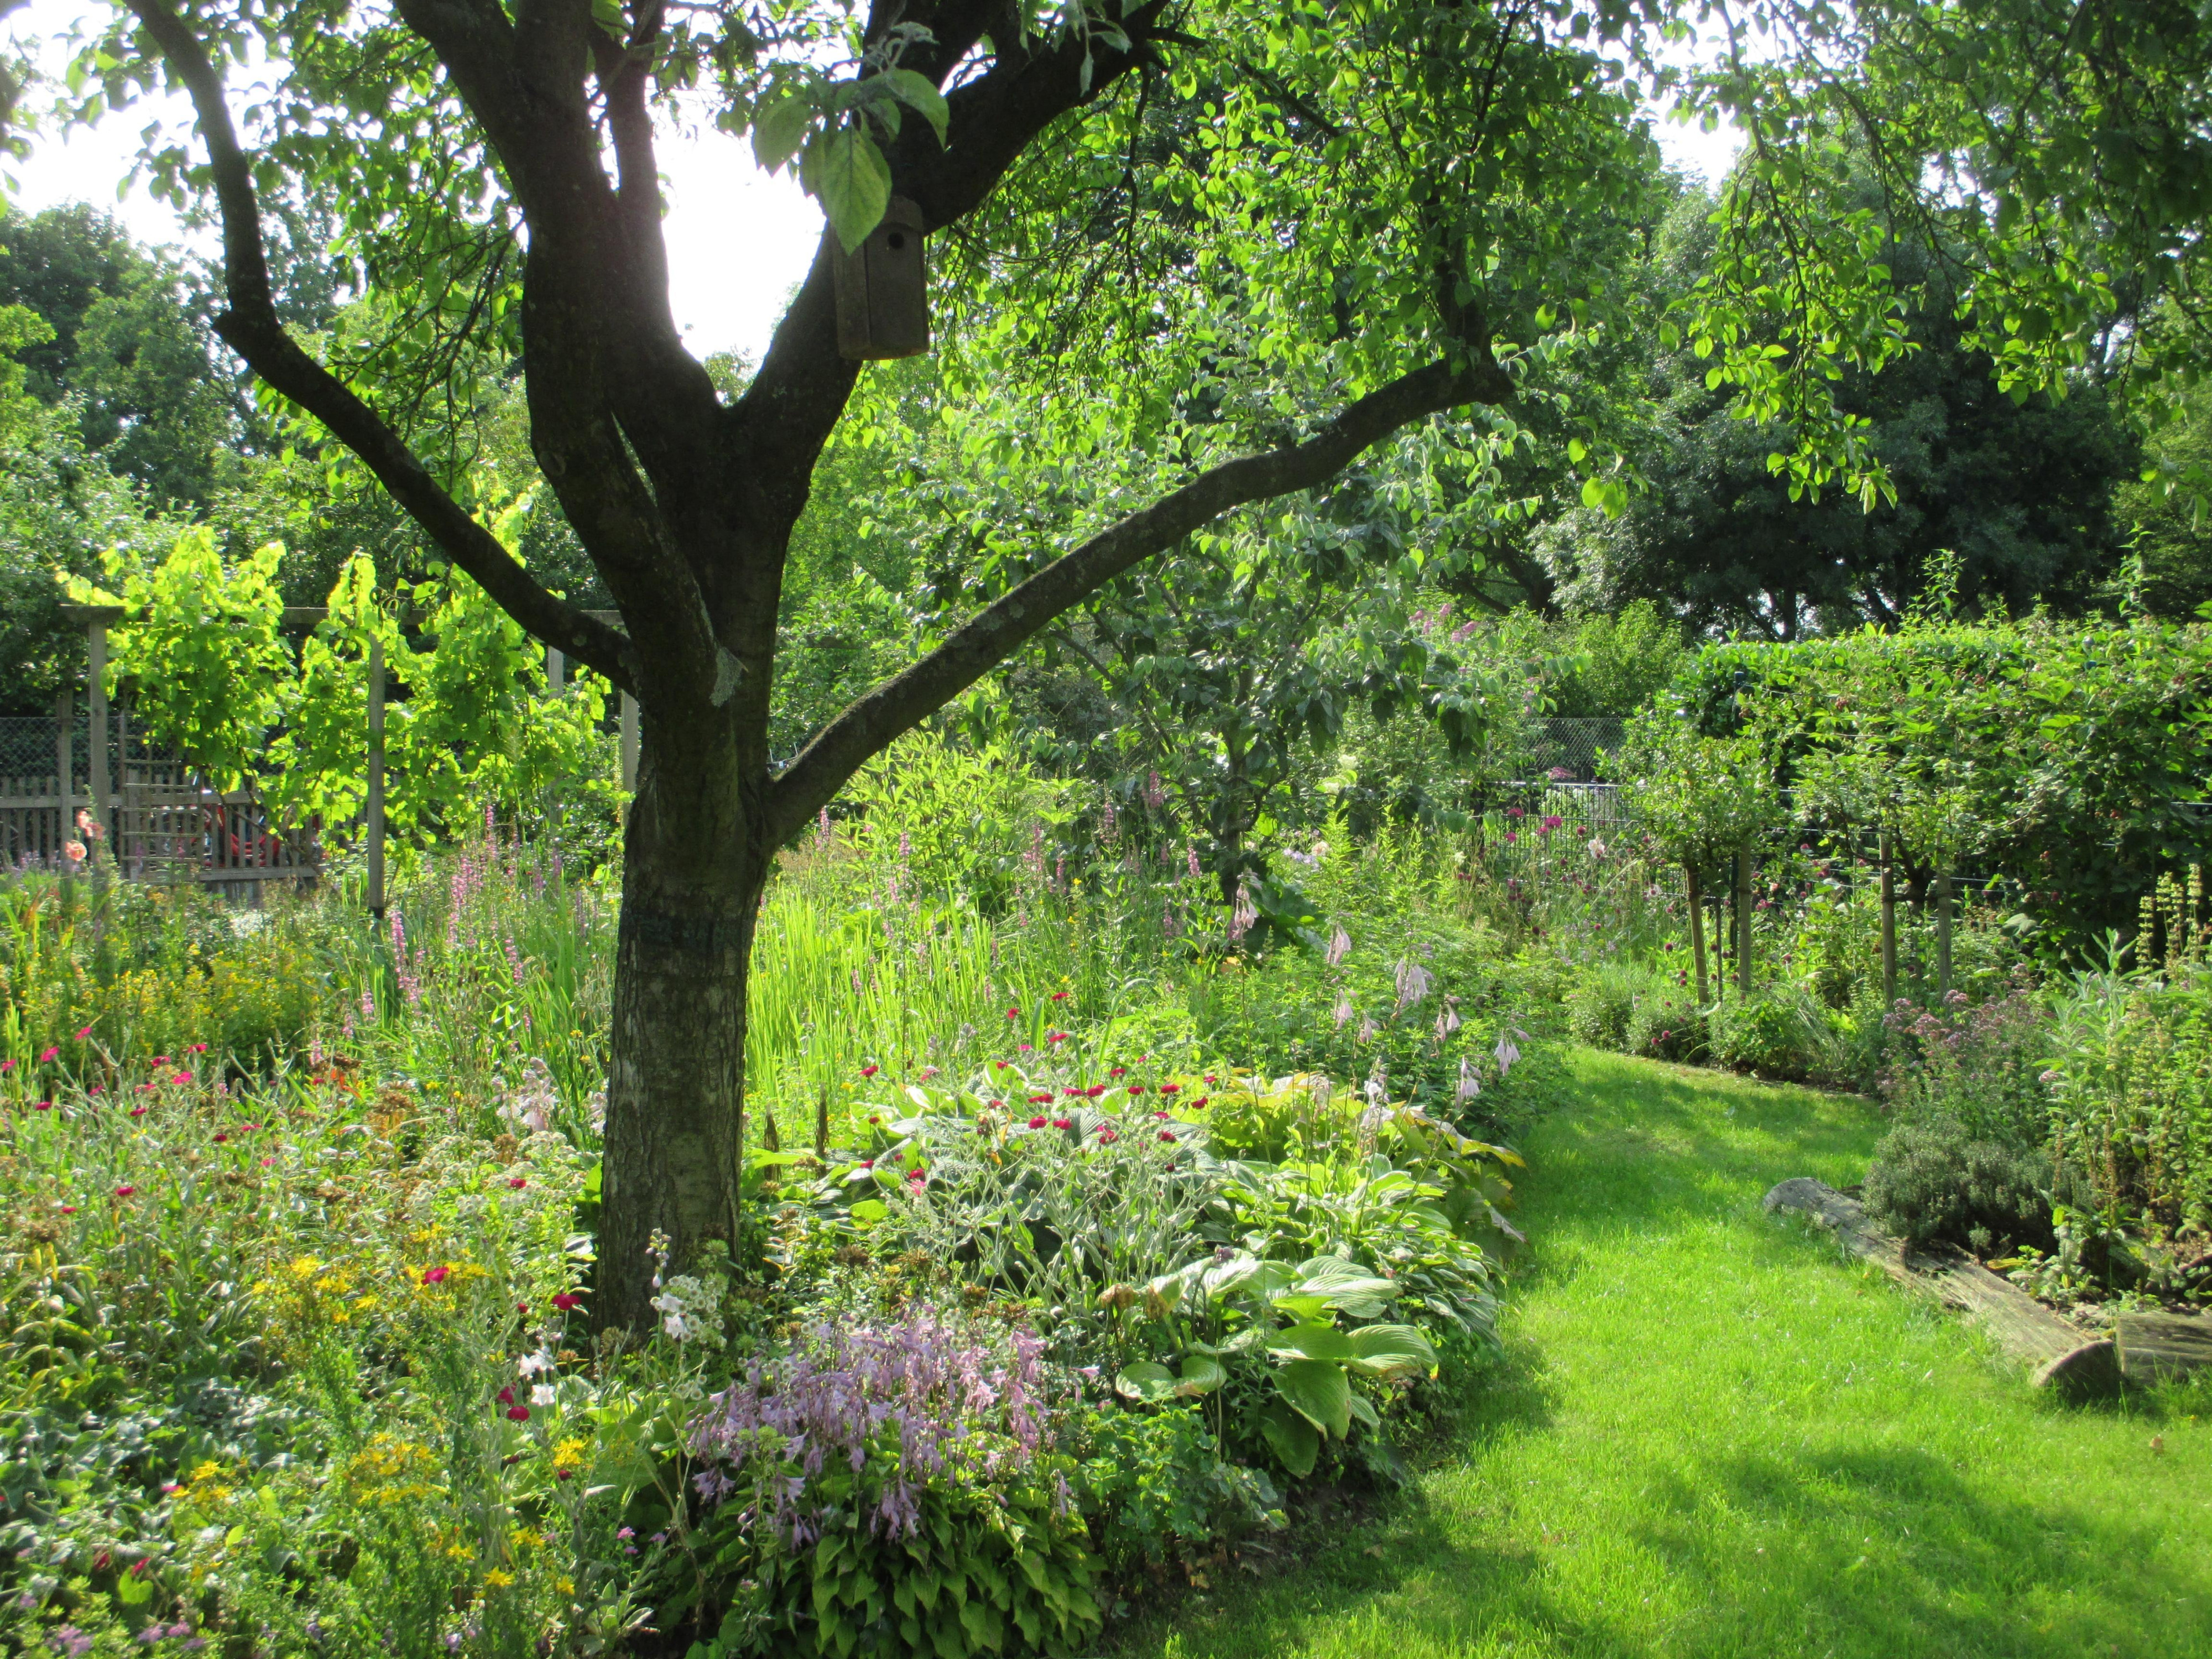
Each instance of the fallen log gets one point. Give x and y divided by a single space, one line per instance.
2065 1356
2154 1346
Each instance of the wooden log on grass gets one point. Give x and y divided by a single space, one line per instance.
2156 1346
2065 1356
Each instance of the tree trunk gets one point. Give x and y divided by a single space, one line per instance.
694 866
1696 927
1888 927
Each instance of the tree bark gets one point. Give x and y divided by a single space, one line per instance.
1944 932
1697 926
1743 921
694 867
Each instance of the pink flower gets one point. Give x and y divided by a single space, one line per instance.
196 1049
7 1065
124 1192
1013 1013
48 1056
435 1275
181 1076
869 1071
1171 1088
1168 1135
137 1111
1105 1134
517 1183
82 1032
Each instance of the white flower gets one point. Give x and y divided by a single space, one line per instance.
1343 1010
1506 1053
1448 1021
1414 983
532 1363
1339 946
544 1394
1468 1087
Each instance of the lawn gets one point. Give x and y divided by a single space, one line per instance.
1711 1434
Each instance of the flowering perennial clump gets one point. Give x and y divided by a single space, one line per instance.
892 1408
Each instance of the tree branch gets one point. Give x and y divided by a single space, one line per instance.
251 328
994 632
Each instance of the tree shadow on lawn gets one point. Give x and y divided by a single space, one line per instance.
1885 1551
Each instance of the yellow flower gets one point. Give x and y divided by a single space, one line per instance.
524 1538
570 1453
306 1266
565 1584
497 1579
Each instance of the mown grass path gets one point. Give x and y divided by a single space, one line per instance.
1710 1435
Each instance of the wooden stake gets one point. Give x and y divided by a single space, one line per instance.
1743 921
1888 927
1943 932
375 804
64 763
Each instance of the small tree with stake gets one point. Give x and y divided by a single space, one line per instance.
1703 800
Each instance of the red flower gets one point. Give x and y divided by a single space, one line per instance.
1198 1105
137 1111
69 1209
998 1105
1063 1123
518 1413
220 1138
1061 996
1171 1088
1168 1136
1036 1123
562 1474
568 1301
43 1106
124 1192
1072 1093
867 1163
1136 1088
506 1395
1000 1064
1056 1037
523 1308
517 1181
1094 1091
161 1060
1013 1013
1209 1079
196 1049
1042 1100
1106 1134
435 1275
875 1120
1160 1114
869 1071
1119 1071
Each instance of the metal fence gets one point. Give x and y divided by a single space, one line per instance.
1568 751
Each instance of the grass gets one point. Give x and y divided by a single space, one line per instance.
1713 1435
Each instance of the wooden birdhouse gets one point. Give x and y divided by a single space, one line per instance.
883 289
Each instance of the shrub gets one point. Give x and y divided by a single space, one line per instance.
1939 1182
1156 1487
1601 1004
1979 1064
1667 1025
1778 1033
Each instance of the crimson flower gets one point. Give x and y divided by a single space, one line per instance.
867 1163
1094 1091
48 1054
221 1138
568 1302
1063 1123
82 1032
1198 1105
1119 1071
435 1275
137 1111
517 1182
506 1395
1061 996
1171 1088
1136 1088
1209 1079
869 1071
1168 1135
1036 1123
518 1413
1043 1100
196 1049
1013 1013
1106 1134
124 1192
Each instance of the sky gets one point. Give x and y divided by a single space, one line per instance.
738 239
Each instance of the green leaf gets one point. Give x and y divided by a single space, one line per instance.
1199 1374
869 1211
918 93
1290 1437
1319 1391
1312 1342
781 129
1391 1350
1146 1380
853 181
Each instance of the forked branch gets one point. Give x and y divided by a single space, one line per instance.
252 329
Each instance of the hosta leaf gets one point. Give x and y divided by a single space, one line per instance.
1146 1380
1391 1350
1319 1391
1199 1374
1312 1342
1290 1437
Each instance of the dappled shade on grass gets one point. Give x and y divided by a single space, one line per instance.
1711 1435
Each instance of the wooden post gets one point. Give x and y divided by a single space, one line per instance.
1888 925
1943 932
375 804
64 763
96 645
628 743
1743 920
1697 926
557 672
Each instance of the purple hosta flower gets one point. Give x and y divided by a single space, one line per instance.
1469 1087
1367 1028
1448 1020
1190 859
1507 1052
1109 825
906 847
1339 946
1414 983
1156 794
1168 926
1343 1010
925 1399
